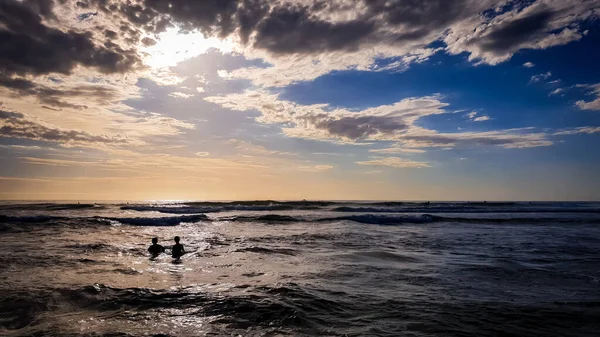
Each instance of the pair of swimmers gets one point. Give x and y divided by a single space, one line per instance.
176 251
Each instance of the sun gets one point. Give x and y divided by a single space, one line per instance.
173 47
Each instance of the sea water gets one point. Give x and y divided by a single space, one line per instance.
301 269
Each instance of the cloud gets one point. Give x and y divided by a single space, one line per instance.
301 40
580 130
473 116
591 105
250 149
481 119
313 121
16 125
202 154
540 77
395 162
70 93
30 47
397 150
528 65
27 148
372 172
316 168
395 122
556 91
114 130
542 24
180 95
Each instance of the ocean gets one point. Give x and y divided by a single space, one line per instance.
301 268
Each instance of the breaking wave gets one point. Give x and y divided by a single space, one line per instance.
165 221
186 209
463 209
383 220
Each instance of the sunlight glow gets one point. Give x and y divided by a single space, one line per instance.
173 47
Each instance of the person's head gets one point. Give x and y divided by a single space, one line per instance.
154 240
176 239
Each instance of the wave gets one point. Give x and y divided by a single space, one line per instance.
7 222
382 220
264 203
30 219
164 221
20 223
462 209
171 210
215 209
285 307
51 207
263 250
428 218
265 218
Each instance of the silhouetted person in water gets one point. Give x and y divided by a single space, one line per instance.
155 249
177 250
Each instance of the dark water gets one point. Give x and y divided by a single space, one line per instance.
300 269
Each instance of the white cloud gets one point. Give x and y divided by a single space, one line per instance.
397 150
556 91
487 39
372 172
180 95
315 168
199 89
27 147
590 105
495 39
202 154
395 162
528 65
581 130
540 77
481 119
395 122
473 116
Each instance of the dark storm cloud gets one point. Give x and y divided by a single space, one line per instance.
507 140
55 97
279 27
10 115
17 83
210 16
361 127
421 14
287 28
355 128
148 42
292 30
16 125
513 33
29 47
110 34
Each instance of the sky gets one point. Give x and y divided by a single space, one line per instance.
298 99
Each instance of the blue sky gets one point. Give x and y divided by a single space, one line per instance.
470 100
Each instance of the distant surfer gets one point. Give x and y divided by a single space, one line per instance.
177 250
155 249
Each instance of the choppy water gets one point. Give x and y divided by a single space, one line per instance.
301 268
